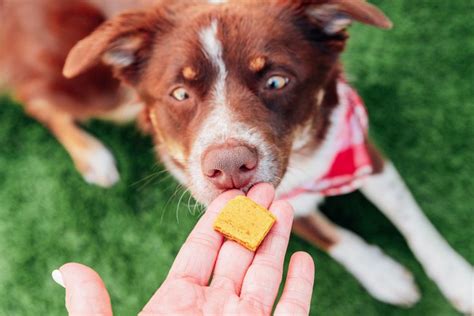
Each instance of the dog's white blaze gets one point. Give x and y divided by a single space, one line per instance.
221 126
453 275
213 49
302 167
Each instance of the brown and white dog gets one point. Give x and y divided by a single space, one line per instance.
234 93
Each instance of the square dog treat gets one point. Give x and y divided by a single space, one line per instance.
244 221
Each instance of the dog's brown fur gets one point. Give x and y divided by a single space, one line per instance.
162 40
124 54
34 62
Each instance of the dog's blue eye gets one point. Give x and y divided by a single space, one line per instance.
180 94
277 83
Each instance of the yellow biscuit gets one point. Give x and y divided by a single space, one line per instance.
244 221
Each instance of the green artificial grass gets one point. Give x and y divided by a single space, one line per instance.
417 83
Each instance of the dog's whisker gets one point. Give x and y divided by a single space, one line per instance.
147 179
189 204
197 207
201 211
179 202
194 208
180 193
151 180
165 208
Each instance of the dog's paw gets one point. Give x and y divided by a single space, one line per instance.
97 166
387 280
384 278
455 279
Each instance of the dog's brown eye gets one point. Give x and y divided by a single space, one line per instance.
180 94
277 83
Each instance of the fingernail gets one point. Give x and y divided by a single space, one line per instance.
58 278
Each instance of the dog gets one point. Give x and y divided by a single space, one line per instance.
233 93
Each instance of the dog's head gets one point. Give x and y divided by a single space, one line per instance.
230 86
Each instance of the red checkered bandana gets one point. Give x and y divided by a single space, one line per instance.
351 162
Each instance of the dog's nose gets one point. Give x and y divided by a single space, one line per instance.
230 166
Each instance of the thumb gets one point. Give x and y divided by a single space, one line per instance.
86 294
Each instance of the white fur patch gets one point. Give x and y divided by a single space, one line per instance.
303 136
329 14
320 97
384 278
220 126
101 167
304 204
453 275
118 59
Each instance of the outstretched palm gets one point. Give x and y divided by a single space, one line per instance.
242 282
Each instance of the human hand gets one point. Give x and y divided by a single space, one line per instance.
243 282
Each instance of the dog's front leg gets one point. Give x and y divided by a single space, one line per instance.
95 163
453 275
383 277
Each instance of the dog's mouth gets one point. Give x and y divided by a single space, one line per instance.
234 164
207 195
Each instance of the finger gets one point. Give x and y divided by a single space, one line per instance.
233 259
85 292
195 260
296 297
263 194
263 277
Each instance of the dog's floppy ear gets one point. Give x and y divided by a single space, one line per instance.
124 43
336 15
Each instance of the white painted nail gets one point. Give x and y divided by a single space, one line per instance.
58 278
